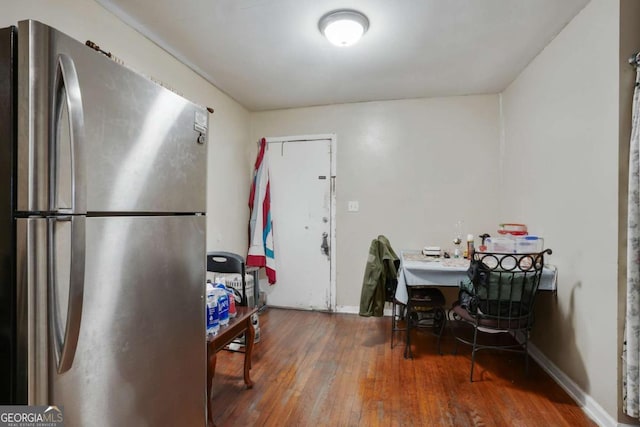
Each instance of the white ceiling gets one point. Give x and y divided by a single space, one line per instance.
269 54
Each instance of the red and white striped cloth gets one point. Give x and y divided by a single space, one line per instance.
261 251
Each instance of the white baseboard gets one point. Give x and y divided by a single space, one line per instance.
349 309
586 402
354 309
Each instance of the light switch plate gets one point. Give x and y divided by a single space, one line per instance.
353 206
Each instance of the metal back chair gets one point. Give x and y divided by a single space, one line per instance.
500 298
397 308
425 309
227 262
391 265
381 266
380 282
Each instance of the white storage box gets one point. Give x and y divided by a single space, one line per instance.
500 244
233 280
529 244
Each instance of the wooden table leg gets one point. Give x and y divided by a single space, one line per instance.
249 338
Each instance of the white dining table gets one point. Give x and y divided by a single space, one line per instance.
417 269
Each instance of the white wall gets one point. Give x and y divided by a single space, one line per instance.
228 179
561 177
415 166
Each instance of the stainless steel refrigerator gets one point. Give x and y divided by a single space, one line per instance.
102 235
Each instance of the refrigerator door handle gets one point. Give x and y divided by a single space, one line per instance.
66 341
67 90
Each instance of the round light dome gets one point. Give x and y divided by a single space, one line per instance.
343 27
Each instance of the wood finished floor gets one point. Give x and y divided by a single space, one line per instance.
319 369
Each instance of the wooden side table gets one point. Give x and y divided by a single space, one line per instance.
236 327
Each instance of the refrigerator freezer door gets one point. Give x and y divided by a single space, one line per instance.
141 353
144 146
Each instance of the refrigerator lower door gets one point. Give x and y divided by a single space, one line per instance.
32 325
141 352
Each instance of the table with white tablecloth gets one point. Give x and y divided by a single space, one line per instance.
417 269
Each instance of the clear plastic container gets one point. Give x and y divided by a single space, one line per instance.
500 244
529 244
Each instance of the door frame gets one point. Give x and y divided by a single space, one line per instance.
332 201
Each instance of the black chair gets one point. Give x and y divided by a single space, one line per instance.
227 262
495 310
381 266
425 309
380 282
398 309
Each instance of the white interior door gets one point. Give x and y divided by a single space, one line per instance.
301 206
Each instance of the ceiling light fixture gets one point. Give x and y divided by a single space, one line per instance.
343 27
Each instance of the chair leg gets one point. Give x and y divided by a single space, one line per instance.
473 351
526 353
440 314
455 338
408 354
393 322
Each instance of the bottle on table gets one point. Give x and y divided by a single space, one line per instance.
213 321
223 301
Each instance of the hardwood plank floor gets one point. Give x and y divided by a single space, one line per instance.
319 369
